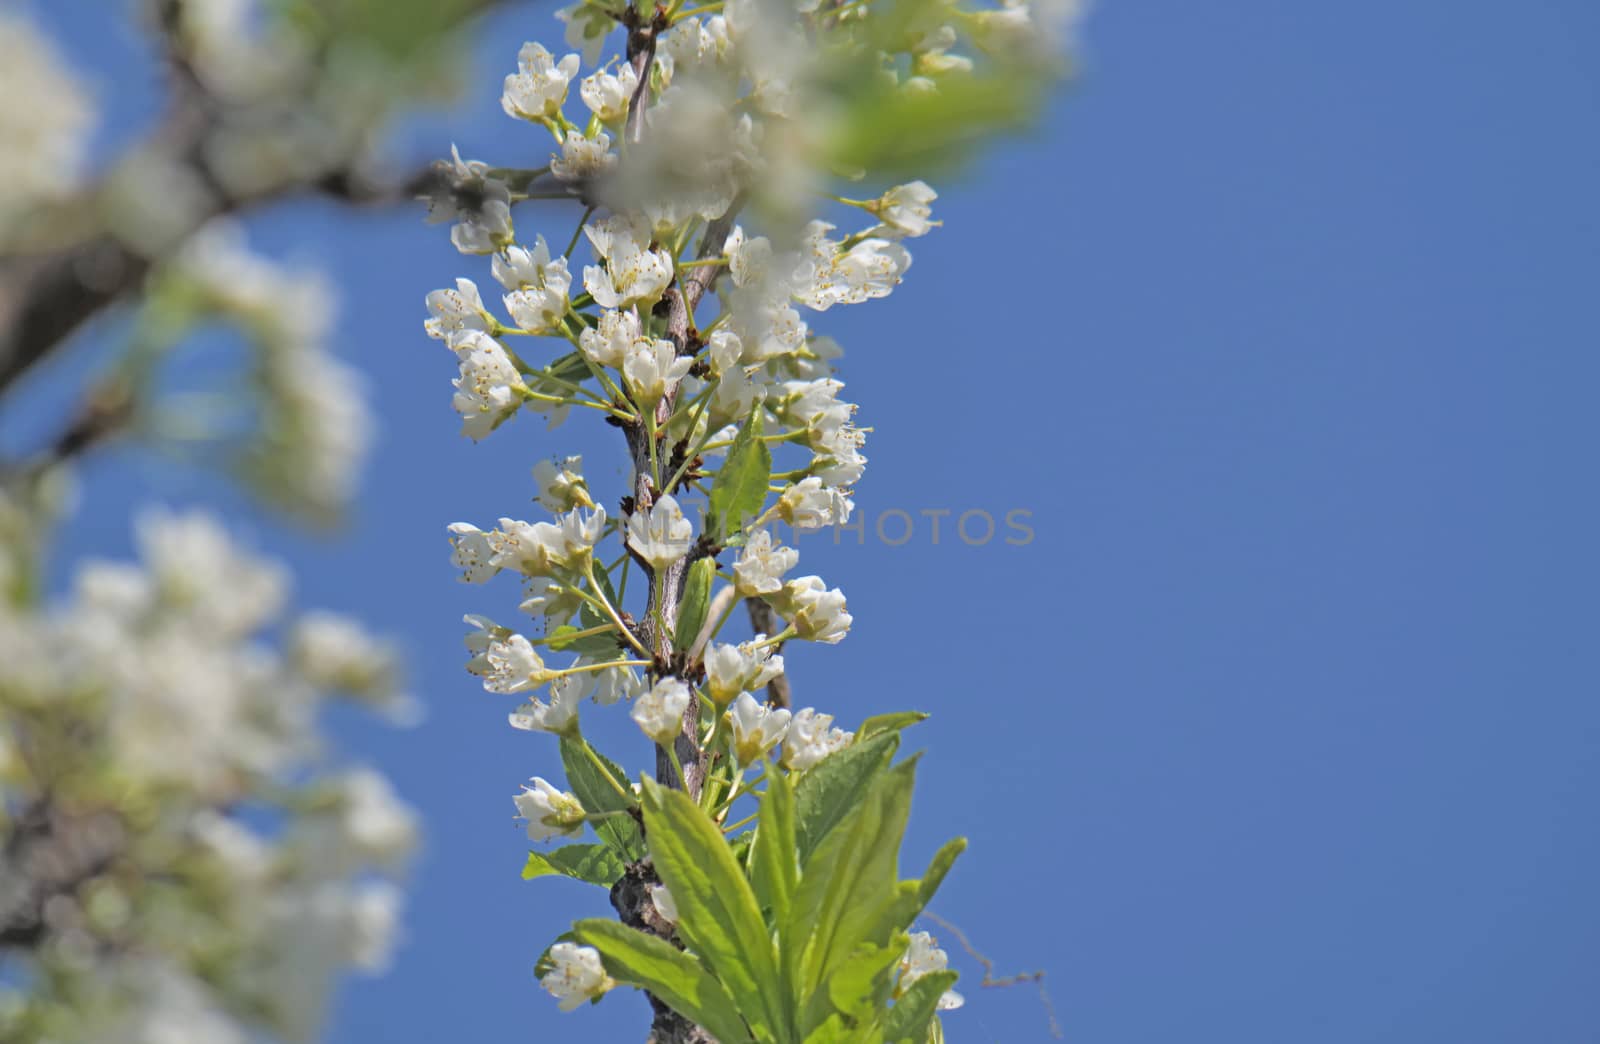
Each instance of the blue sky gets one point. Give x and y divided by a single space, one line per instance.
1284 726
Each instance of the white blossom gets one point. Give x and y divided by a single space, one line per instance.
924 957
618 683
868 269
633 273
456 310
736 395
732 669
808 504
538 286
819 614
607 94
837 441
536 548
560 714
659 712
691 43
576 975
531 548
805 403
473 552
480 205
581 530
488 385
549 812
756 728
607 343
561 484
725 349
538 88
652 369
507 664
583 158
761 564
906 210
811 738
660 533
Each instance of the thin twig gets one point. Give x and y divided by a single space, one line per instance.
990 981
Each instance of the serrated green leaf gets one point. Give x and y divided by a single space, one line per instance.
831 788
740 489
850 899
773 868
694 603
597 795
881 723
717 912
908 1021
596 864
674 977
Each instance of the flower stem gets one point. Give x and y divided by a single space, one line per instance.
600 599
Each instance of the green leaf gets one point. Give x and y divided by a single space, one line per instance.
696 598
860 986
832 787
773 870
835 1030
888 723
558 639
674 977
717 912
938 867
909 1019
851 898
892 132
597 795
741 485
596 864
598 647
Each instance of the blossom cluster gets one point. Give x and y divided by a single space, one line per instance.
142 714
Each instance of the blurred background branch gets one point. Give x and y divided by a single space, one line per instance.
181 850
288 102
